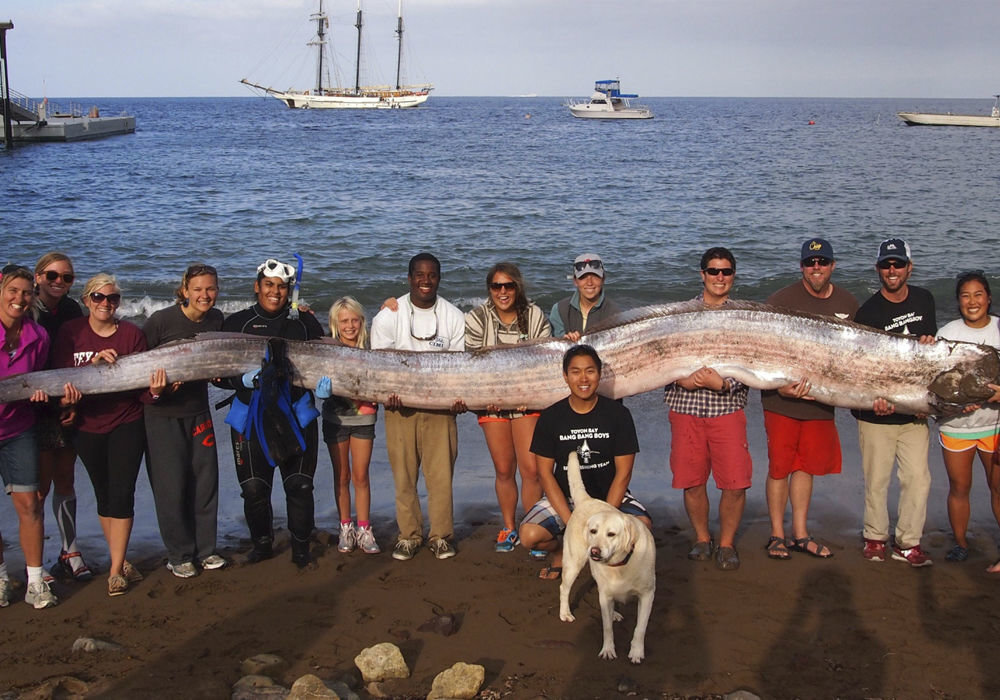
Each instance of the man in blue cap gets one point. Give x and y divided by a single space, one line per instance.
802 439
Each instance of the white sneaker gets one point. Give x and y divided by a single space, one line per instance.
348 538
366 540
213 561
40 596
183 570
4 592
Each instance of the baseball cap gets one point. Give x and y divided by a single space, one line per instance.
817 248
275 268
893 249
588 263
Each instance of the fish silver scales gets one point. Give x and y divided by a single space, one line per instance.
764 347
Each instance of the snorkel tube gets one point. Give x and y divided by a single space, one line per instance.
294 311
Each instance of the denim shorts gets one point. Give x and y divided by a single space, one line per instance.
338 432
19 462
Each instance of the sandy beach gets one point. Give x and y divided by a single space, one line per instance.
803 628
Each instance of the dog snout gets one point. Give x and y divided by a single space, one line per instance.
596 554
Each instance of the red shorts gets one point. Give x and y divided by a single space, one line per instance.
810 446
699 446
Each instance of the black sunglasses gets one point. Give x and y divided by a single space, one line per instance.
724 271
497 286
812 262
52 276
892 264
114 299
592 264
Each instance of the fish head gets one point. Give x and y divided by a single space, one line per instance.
964 385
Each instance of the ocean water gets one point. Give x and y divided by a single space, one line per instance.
478 180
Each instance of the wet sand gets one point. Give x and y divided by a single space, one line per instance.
805 628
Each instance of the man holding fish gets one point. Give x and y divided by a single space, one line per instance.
802 439
886 437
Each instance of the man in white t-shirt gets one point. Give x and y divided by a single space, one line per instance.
420 439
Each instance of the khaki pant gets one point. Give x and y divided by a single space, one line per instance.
881 447
425 440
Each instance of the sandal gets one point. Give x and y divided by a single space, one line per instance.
817 549
538 554
550 573
702 551
777 548
81 572
995 569
957 553
727 559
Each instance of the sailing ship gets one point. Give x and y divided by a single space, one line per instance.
360 96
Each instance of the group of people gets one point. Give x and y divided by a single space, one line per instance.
275 426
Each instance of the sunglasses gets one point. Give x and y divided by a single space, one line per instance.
52 276
498 286
892 265
199 270
813 262
724 271
114 299
592 264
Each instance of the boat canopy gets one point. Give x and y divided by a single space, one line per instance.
611 88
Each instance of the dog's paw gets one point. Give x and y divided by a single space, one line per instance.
608 653
617 617
637 653
566 616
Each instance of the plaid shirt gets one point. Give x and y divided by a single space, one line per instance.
704 402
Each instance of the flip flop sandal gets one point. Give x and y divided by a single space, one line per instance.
957 553
777 548
802 545
538 554
550 573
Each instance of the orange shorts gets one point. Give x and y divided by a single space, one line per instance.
986 443
810 446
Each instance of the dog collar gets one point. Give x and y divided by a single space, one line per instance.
624 561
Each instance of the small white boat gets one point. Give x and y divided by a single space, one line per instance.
608 102
932 119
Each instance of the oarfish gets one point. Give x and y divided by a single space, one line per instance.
764 347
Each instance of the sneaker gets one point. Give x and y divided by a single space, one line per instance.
507 540
914 555
40 596
4 592
441 547
131 573
405 549
874 550
348 538
366 541
212 562
183 570
117 585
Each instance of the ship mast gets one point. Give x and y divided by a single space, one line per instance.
357 63
399 33
320 41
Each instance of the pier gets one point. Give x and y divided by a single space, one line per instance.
27 121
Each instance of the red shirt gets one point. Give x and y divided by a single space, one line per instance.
75 346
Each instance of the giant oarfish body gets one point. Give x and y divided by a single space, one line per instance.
764 347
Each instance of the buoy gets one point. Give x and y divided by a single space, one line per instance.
811 122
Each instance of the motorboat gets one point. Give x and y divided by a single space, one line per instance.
933 119
608 102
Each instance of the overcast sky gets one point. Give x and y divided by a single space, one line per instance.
767 48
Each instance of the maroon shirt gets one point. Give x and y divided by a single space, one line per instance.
75 346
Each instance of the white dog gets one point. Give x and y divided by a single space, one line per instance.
622 557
